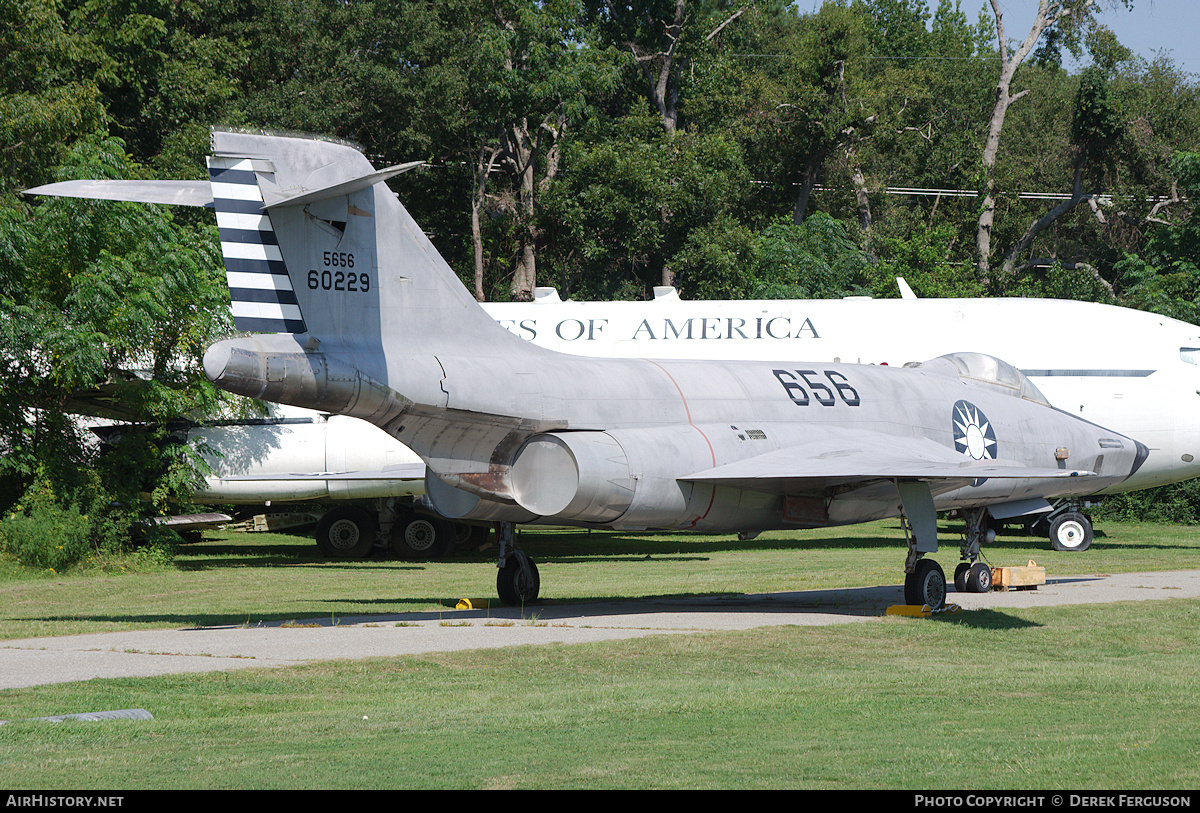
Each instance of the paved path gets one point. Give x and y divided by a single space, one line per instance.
142 653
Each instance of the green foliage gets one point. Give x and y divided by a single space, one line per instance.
89 292
813 260
925 263
1165 276
630 205
55 527
1059 282
1178 503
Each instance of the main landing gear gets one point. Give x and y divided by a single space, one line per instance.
924 580
517 579
354 531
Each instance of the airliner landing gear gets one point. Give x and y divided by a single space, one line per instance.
347 532
415 536
1071 531
517 579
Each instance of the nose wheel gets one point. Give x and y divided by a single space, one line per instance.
972 577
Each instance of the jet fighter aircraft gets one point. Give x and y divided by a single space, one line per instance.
354 312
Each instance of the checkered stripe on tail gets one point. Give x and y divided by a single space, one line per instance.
259 287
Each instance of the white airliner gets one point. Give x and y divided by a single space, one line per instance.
1132 371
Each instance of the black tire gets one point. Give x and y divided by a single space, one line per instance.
926 585
979 578
1071 532
346 532
960 576
470 537
515 586
415 536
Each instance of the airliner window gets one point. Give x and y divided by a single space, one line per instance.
1190 354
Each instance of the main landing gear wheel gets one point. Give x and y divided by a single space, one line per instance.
346 532
1071 532
926 585
421 537
518 582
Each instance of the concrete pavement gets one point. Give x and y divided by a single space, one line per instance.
143 653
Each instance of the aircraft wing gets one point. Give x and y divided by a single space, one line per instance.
835 459
400 471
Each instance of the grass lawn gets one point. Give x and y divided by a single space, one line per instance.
242 578
1071 697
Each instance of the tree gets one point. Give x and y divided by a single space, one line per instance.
531 80
1164 276
1070 18
45 100
662 36
630 202
90 292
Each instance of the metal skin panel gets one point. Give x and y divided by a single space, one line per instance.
1114 366
412 353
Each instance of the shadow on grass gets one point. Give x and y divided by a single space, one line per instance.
985 620
581 546
726 611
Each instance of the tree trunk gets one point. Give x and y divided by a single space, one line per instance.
658 67
483 168
991 148
807 182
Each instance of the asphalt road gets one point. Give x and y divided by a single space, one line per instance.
143 653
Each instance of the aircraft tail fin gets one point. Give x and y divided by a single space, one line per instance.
314 242
260 288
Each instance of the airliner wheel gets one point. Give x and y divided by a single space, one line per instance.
1071 532
346 532
421 537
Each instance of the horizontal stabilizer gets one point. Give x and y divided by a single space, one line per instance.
344 187
178 193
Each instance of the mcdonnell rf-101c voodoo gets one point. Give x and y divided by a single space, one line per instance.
355 313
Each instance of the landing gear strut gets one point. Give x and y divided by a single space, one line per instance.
972 575
517 579
924 580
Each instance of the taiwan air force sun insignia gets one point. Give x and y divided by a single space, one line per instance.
973 433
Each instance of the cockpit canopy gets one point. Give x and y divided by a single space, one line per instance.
990 370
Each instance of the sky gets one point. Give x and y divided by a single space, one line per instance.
1153 25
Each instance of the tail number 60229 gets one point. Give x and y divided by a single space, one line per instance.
331 280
